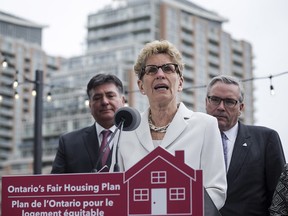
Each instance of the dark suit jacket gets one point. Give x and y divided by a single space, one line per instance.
209 207
78 152
255 167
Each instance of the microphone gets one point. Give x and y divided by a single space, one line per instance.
129 116
127 119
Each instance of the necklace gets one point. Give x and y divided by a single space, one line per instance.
162 129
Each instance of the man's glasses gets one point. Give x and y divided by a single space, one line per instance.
228 102
153 69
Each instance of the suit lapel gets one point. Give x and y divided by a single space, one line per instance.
143 132
241 149
91 143
177 126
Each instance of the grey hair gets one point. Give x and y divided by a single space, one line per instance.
227 80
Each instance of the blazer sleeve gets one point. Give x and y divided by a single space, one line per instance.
59 163
213 165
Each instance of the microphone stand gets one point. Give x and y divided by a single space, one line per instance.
116 166
107 144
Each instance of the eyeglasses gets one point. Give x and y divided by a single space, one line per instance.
228 102
153 69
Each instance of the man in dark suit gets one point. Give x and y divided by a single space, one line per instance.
79 151
253 155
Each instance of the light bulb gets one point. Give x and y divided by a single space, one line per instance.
34 93
49 97
16 95
15 84
272 91
86 102
5 63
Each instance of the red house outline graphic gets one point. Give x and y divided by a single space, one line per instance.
162 184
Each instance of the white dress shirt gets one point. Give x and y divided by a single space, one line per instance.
231 135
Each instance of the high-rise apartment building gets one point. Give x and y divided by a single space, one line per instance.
20 48
207 50
115 36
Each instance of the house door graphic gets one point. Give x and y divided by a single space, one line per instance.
159 201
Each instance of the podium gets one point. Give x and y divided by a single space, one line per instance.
159 184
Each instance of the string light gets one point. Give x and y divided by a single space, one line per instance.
49 96
4 66
86 102
272 91
15 84
5 63
34 93
16 95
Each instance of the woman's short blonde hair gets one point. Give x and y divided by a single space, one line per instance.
158 47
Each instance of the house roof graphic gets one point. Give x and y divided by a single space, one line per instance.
176 161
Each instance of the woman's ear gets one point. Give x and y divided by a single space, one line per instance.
140 86
180 85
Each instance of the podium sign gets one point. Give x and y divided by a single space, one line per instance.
87 194
159 184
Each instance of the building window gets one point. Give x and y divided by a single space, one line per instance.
158 177
141 195
177 193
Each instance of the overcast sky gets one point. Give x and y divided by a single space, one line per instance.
263 23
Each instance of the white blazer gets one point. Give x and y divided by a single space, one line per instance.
194 132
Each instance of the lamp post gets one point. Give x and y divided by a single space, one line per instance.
38 122
38 117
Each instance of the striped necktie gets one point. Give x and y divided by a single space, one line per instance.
105 134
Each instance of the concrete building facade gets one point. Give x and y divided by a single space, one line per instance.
20 49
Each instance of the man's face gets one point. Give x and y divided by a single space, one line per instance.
227 116
104 101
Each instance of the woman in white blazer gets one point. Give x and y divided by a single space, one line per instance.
172 125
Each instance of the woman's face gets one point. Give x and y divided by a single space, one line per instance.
161 86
